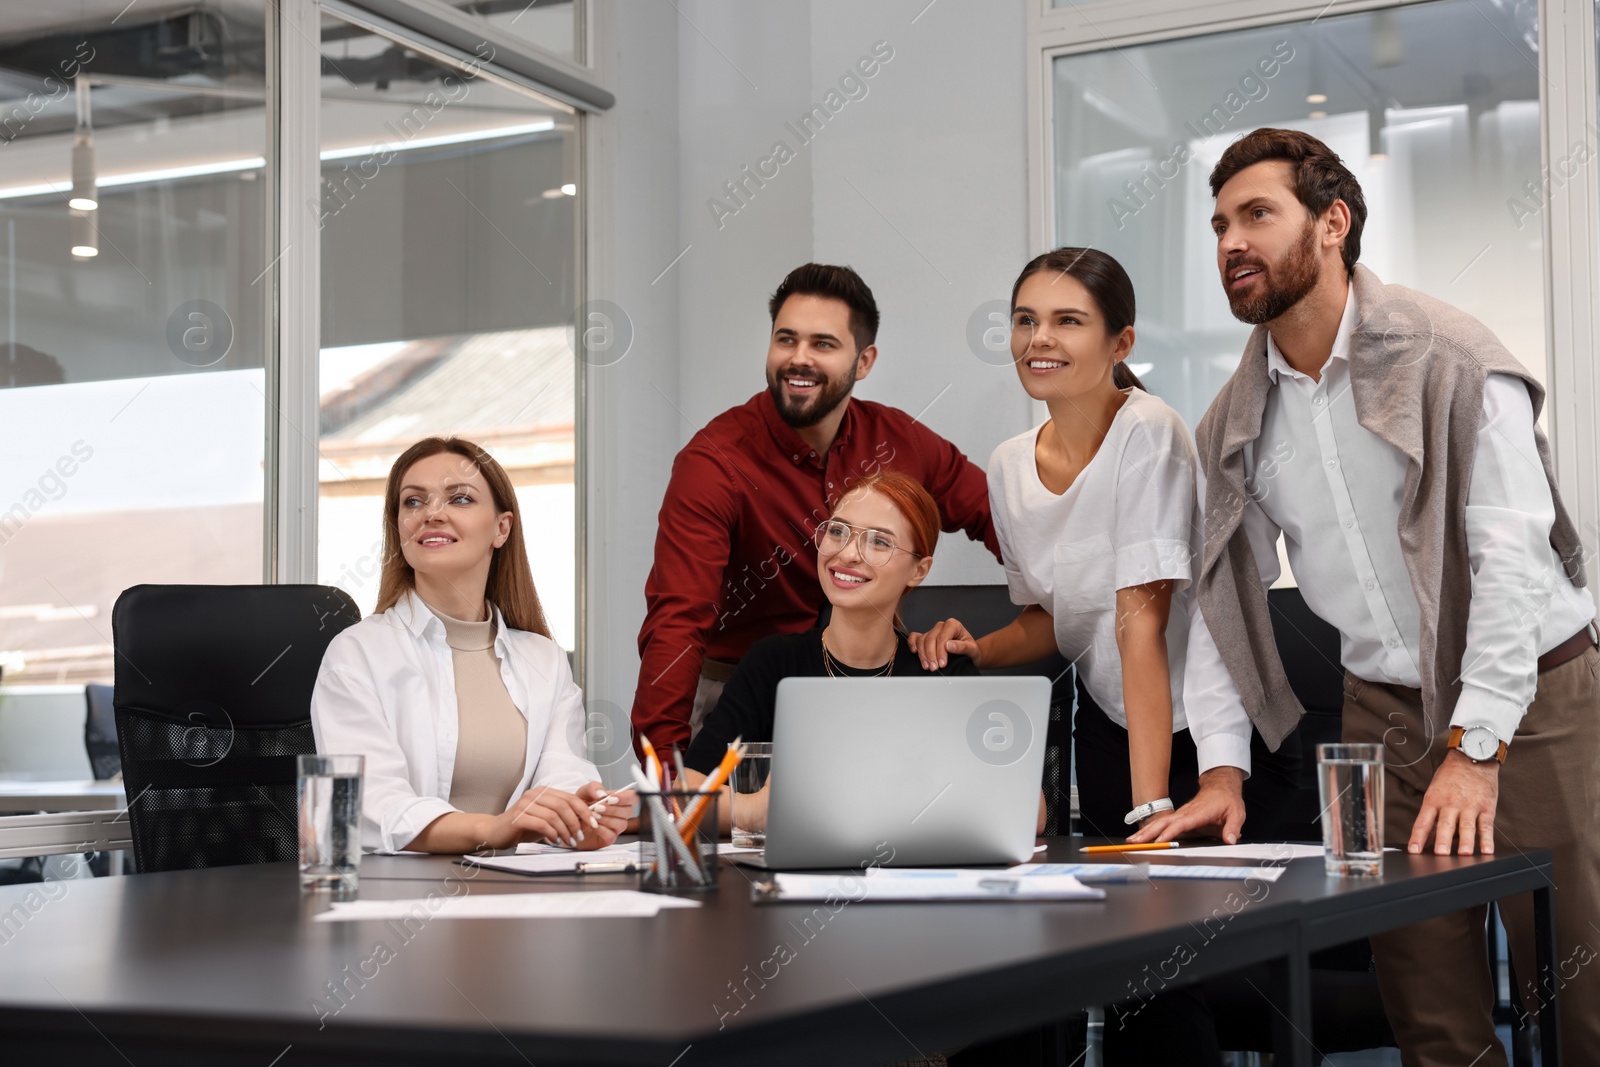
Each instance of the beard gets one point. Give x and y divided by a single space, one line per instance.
809 411
1284 284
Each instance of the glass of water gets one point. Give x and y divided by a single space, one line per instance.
750 776
330 821
1350 779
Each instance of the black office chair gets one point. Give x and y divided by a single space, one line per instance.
1309 648
212 705
100 732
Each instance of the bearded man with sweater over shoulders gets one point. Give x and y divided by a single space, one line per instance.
1420 513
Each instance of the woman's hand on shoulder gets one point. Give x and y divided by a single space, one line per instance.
943 640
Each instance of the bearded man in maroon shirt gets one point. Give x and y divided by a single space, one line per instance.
734 555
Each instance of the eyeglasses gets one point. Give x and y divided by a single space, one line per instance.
875 546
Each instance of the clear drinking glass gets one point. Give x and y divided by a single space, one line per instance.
750 776
1350 779
330 821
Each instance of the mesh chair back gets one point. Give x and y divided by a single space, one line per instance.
100 732
213 704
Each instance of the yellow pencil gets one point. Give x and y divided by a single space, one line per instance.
1130 848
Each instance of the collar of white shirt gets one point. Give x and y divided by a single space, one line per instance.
1277 365
414 612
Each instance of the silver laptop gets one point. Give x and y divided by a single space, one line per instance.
905 772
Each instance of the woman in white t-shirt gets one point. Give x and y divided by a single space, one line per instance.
1094 511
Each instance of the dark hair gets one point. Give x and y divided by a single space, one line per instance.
1319 177
1107 283
836 283
510 583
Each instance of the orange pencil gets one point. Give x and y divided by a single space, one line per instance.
696 809
652 765
1130 848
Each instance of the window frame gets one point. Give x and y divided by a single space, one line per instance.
1567 57
294 279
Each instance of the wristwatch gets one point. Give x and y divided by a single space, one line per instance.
1144 811
1478 743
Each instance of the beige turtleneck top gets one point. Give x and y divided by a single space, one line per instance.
492 735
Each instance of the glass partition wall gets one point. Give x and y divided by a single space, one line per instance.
450 222
132 388
145 373
1433 106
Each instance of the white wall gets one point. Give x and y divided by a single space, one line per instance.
920 184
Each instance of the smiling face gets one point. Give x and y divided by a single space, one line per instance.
853 584
812 362
449 525
1267 242
1059 339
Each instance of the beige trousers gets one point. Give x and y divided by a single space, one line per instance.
1434 975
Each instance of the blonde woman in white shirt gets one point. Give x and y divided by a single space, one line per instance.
1094 511
465 709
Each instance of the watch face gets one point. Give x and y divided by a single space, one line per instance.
1479 743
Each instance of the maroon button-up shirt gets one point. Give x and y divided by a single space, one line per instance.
734 558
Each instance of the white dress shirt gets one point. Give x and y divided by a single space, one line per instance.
1334 490
1125 521
386 691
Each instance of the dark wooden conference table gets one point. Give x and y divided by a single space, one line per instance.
225 966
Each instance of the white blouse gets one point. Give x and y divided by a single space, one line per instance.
1125 521
387 691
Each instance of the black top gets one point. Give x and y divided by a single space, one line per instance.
749 702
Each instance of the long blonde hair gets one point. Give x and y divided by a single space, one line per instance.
510 585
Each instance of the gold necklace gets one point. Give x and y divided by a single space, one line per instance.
836 670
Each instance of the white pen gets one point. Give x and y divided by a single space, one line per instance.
606 868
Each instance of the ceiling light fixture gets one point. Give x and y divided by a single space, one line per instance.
84 197
226 166
85 234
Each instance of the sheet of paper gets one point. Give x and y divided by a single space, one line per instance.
1267 852
555 861
1216 871
603 904
1092 873
939 883
547 859
1138 872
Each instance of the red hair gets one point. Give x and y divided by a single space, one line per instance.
910 499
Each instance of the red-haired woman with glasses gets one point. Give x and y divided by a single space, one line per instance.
875 546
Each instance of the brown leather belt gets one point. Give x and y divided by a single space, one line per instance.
1570 649
717 670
